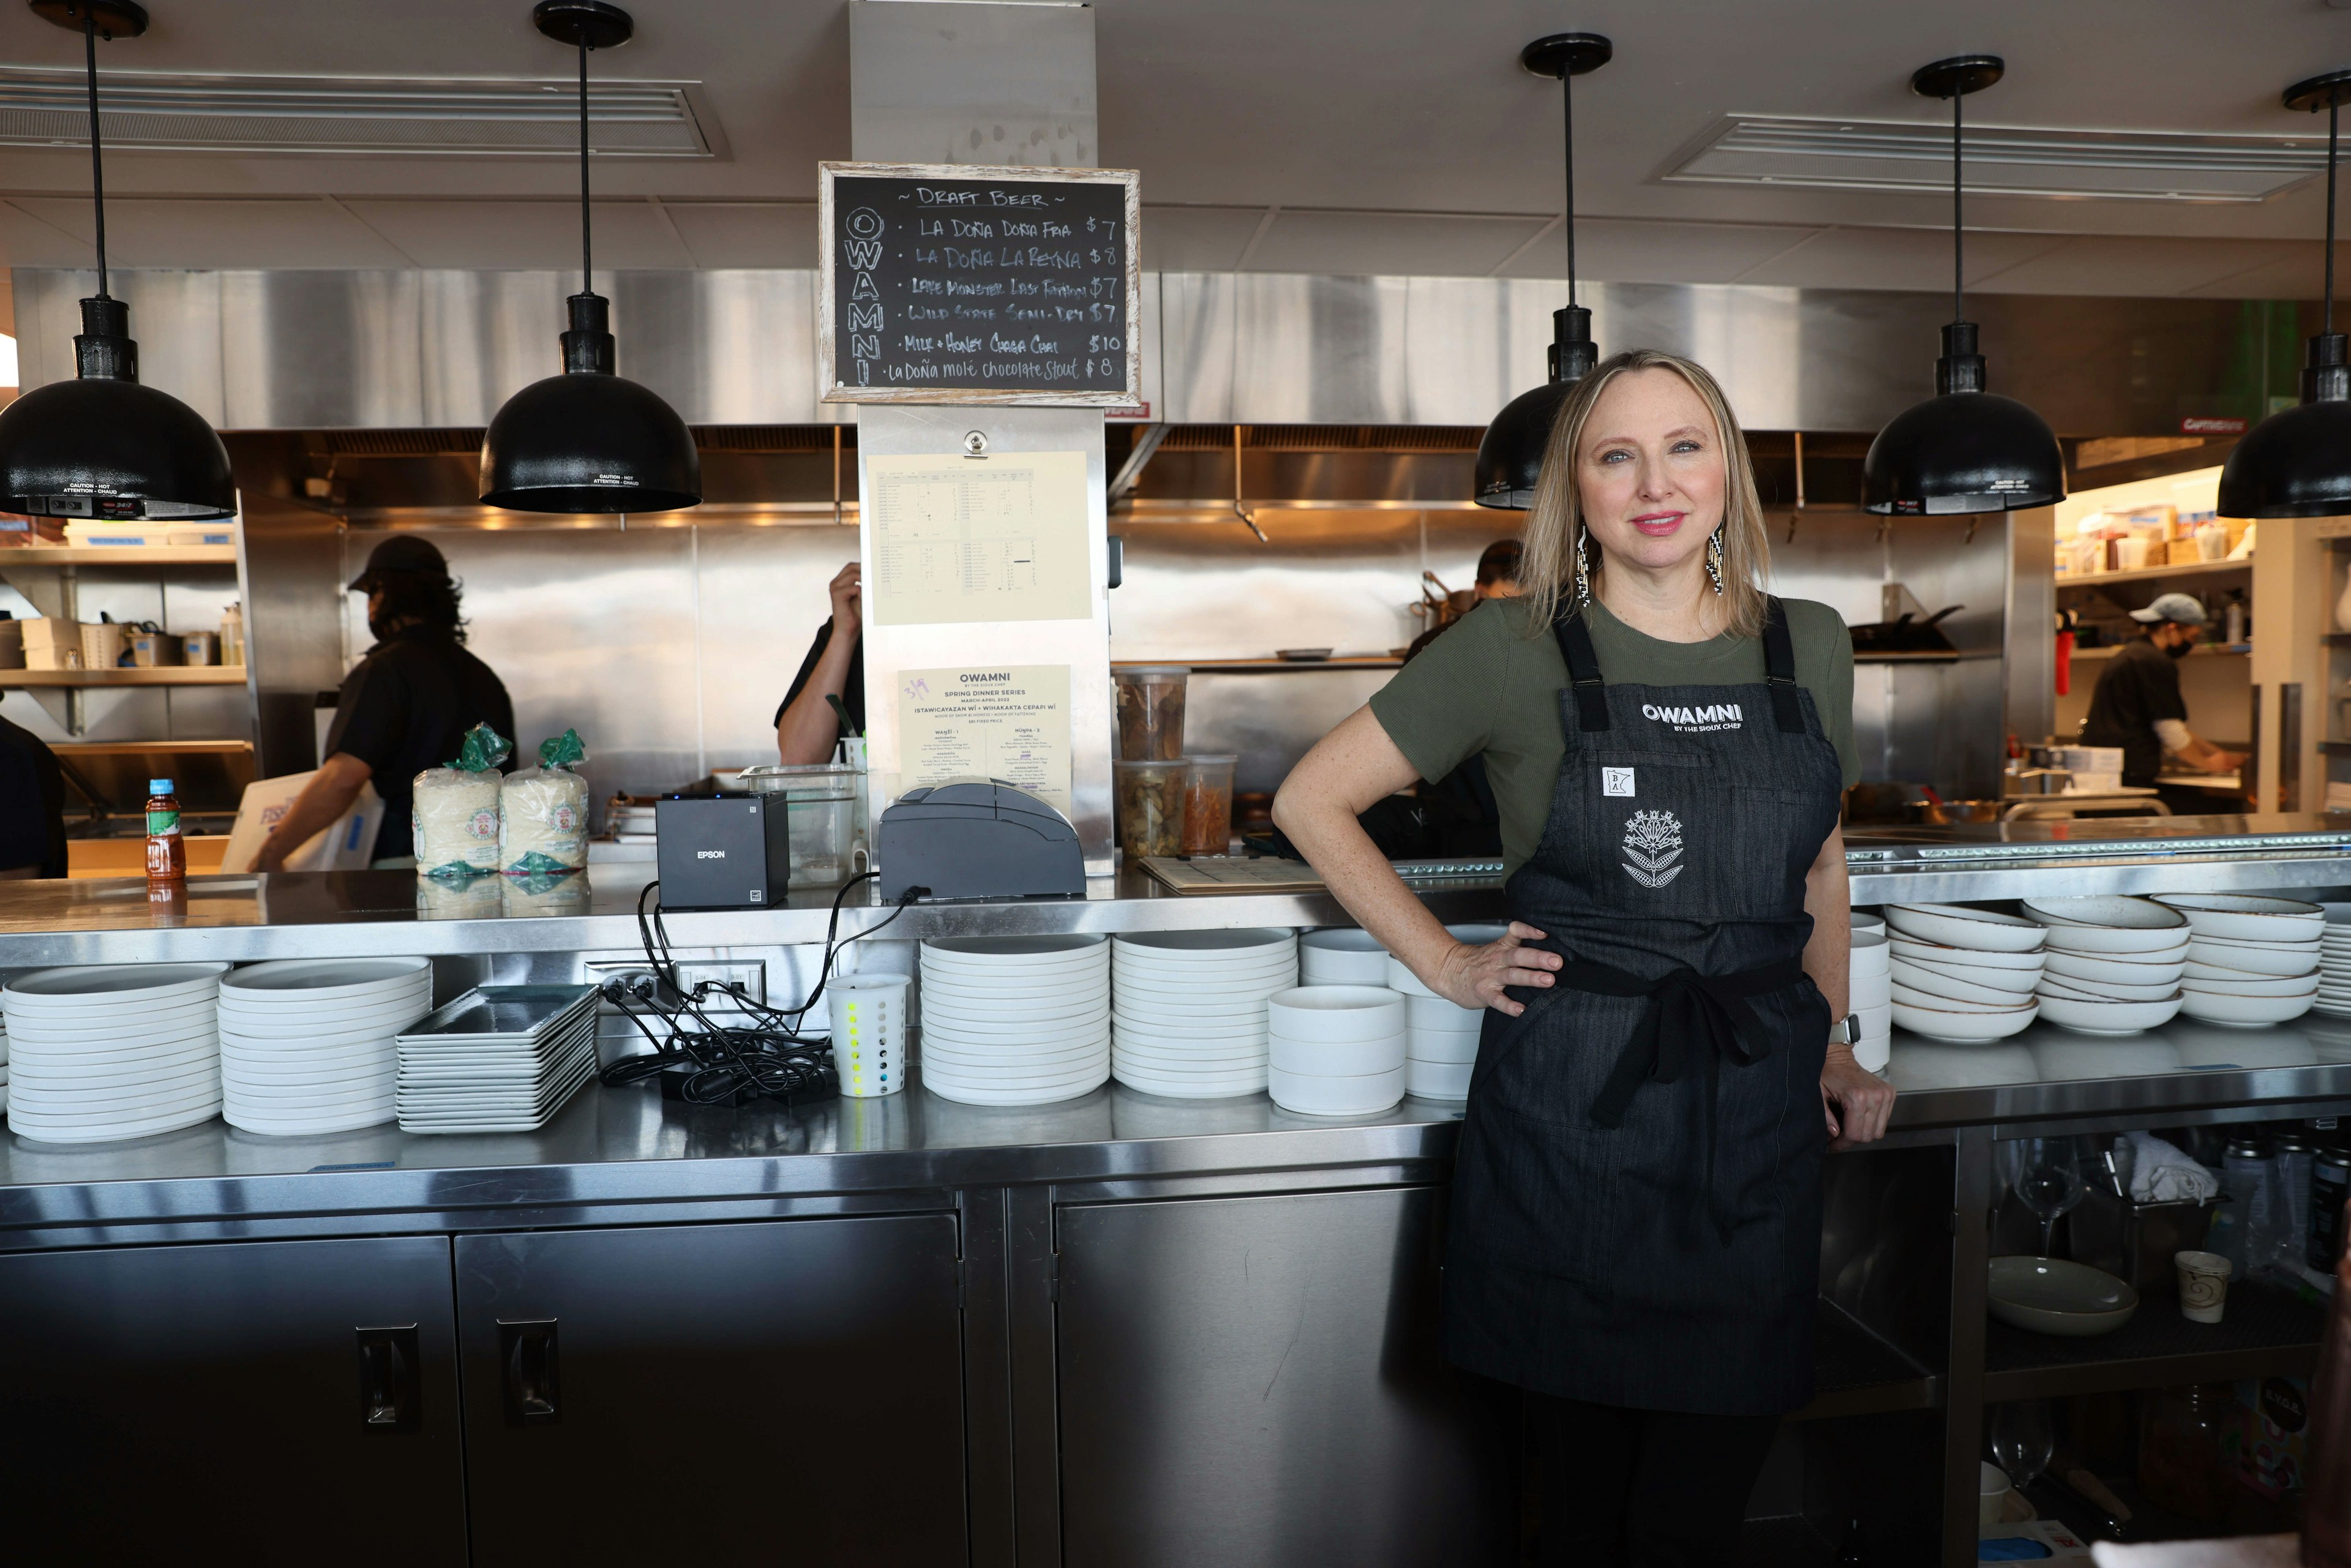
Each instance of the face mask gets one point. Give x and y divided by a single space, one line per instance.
2179 650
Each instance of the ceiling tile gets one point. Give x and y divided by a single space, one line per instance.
1911 259
1198 239
523 234
2299 275
1420 244
1634 250
218 232
746 233
2153 267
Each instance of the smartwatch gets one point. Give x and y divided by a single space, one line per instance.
1846 1030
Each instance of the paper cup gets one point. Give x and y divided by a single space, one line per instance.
2203 1285
1992 1493
868 1033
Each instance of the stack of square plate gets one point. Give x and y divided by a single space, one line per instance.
499 1059
113 1051
1015 1020
307 1044
1189 1008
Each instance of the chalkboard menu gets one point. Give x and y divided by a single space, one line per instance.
947 283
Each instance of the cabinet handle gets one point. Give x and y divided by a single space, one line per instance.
527 1350
389 1399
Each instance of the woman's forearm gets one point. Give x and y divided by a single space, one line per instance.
1828 957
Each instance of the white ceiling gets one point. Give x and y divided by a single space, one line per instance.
1394 136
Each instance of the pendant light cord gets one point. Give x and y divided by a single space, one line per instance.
97 162
1567 104
587 271
1958 223
2333 118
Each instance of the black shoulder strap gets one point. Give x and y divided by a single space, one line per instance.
1582 672
1780 668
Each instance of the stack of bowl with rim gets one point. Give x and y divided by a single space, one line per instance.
1189 1008
1962 974
1015 1020
1869 977
1335 1051
2114 964
2251 960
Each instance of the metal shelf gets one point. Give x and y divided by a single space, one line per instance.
2154 573
119 554
2201 651
157 676
2266 1331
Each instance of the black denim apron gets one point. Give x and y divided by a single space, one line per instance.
1636 1204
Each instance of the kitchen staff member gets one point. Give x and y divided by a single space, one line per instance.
1637 1200
405 707
1498 577
2136 704
807 729
32 807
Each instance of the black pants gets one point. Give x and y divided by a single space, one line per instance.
1644 1489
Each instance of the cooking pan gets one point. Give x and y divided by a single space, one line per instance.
1908 634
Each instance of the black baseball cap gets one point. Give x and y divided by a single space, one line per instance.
402 553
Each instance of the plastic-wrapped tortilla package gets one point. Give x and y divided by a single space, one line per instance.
456 809
543 812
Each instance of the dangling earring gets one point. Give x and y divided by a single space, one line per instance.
1583 574
1714 558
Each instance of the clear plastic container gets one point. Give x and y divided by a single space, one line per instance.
1151 712
821 812
1150 807
1208 805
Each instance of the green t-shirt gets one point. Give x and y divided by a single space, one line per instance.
1485 686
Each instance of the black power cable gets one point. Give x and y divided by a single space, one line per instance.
710 1062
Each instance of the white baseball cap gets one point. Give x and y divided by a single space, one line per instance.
2179 608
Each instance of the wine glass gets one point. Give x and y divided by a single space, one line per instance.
2022 1439
2048 1179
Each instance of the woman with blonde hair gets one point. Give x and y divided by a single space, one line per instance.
1666 1054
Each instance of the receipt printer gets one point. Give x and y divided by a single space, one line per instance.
978 838
722 852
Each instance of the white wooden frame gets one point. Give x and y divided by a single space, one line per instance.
834 392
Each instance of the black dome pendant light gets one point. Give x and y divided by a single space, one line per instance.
2297 461
102 445
1510 455
1964 450
588 439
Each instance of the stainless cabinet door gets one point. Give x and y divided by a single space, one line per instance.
1257 1381
785 1392
274 1402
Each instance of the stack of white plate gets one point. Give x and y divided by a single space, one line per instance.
1189 1008
1015 1020
1870 984
499 1059
1962 974
2251 960
2114 964
2334 971
1335 1051
4 1066
113 1051
1342 956
307 1044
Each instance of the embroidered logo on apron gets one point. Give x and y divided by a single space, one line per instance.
1653 843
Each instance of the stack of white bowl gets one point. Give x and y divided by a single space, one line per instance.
1869 979
1342 956
1335 1051
2334 971
307 1046
1188 1014
113 1051
1441 1039
2114 964
1962 974
2251 960
1015 1020
4 1066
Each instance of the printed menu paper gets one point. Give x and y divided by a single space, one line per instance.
960 538
1008 721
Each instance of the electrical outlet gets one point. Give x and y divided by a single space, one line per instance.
749 975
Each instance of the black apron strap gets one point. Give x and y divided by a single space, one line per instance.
1582 672
1779 669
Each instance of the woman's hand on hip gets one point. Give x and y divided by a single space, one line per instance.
1474 976
1857 1102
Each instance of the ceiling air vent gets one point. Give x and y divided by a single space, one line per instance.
2007 160
420 118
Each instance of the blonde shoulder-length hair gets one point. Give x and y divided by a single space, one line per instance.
1555 529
